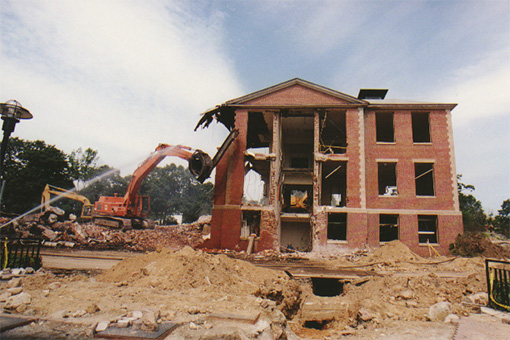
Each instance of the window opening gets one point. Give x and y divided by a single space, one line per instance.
334 184
251 224
296 235
427 228
332 136
299 163
421 127
297 142
424 178
337 226
384 127
388 227
297 198
259 134
387 177
255 190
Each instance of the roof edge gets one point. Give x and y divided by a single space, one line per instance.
292 82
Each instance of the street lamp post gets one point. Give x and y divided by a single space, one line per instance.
11 112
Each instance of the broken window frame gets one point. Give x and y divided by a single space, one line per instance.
250 223
259 134
287 206
300 228
427 229
329 143
387 185
390 222
297 138
385 127
424 179
421 127
329 172
337 227
253 184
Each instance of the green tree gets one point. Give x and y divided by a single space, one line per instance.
502 221
473 216
104 181
28 167
83 164
173 190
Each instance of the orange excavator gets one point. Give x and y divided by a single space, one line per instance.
131 211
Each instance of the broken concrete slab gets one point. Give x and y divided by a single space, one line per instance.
15 290
9 322
250 318
164 329
13 283
439 311
15 301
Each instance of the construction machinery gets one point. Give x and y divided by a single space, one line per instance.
132 210
86 210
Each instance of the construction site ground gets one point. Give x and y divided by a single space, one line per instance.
159 278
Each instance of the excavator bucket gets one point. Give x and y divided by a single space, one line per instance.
200 164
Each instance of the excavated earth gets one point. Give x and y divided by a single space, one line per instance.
203 291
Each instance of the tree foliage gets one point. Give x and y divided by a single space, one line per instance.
473 215
82 164
104 181
28 167
173 190
501 222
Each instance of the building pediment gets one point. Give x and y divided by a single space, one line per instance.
295 92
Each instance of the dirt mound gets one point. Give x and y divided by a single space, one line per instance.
470 245
394 251
189 268
408 298
287 295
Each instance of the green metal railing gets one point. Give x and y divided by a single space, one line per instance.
498 284
20 253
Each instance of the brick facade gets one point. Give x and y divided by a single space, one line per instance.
320 172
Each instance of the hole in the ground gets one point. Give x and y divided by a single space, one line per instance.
326 287
317 324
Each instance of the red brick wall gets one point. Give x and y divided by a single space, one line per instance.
357 230
228 192
406 152
353 152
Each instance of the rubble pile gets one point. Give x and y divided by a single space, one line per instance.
478 244
91 236
188 268
192 288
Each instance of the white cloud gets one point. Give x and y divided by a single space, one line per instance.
481 89
119 76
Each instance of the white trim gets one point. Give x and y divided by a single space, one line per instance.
336 242
386 160
453 166
362 169
423 160
330 209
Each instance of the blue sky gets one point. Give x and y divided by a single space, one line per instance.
124 76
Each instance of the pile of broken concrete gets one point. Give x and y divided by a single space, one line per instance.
71 234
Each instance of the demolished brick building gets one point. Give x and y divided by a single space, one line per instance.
334 171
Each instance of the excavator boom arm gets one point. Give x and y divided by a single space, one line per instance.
162 151
52 190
